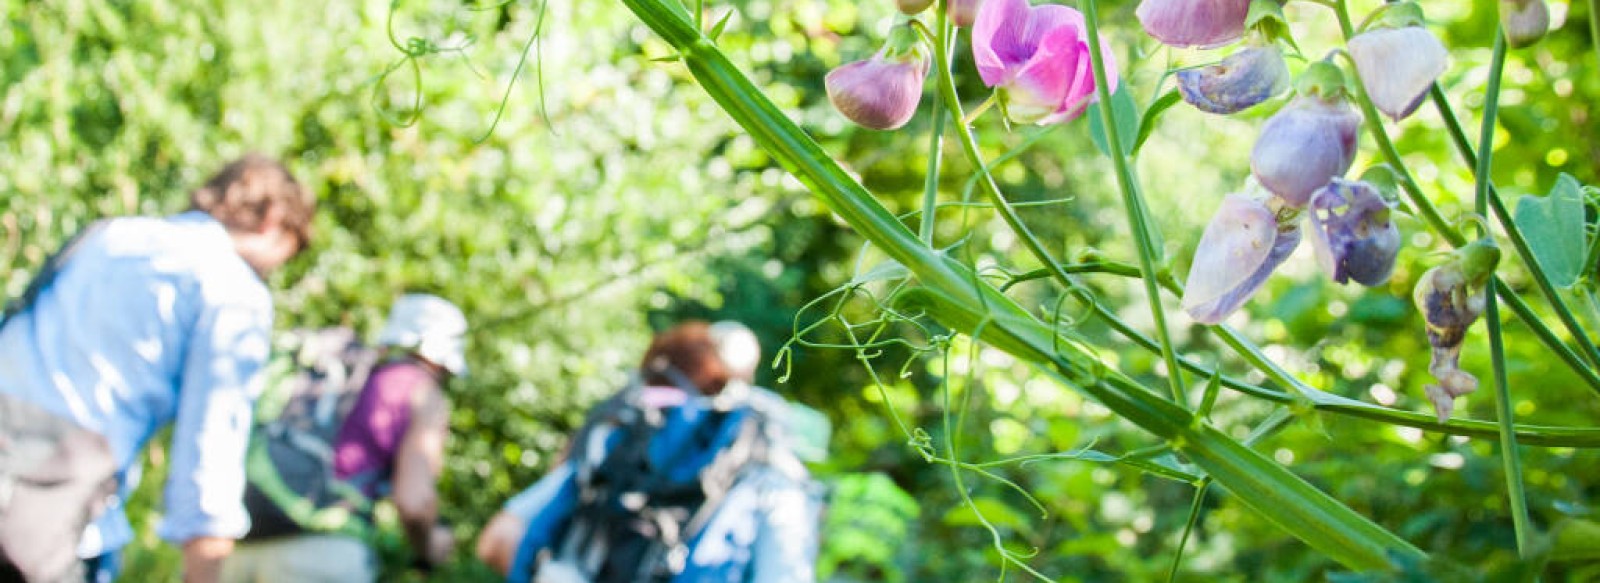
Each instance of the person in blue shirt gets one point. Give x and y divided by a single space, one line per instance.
150 322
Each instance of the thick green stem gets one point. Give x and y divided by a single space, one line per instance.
1510 459
958 299
1132 202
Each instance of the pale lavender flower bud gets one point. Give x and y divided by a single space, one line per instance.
1360 241
1245 78
1194 23
1241 246
1451 297
1398 60
963 13
1524 21
912 7
882 92
1307 143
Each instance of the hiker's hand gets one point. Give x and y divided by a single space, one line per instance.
441 544
202 558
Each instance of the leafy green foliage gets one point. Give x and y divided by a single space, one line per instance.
624 200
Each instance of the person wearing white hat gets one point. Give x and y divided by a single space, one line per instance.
393 435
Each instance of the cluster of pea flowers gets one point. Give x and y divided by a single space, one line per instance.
1036 58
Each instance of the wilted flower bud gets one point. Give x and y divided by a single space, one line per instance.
1398 59
1359 243
1194 23
1242 80
1310 141
882 92
1243 244
963 12
1037 59
1451 296
912 7
1524 21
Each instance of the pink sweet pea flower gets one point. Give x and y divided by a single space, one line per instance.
1037 59
882 92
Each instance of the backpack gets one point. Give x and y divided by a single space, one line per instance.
291 485
55 477
641 483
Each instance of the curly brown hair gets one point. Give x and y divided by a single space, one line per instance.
243 193
688 349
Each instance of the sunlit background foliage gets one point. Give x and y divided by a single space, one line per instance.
607 197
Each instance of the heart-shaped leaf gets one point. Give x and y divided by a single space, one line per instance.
1553 225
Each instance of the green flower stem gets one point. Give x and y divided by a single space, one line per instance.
956 297
1513 232
1431 216
1594 28
930 188
1132 202
1188 527
1541 435
1510 459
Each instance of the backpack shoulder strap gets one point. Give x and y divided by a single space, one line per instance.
47 272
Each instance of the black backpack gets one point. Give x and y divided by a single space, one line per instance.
291 484
642 501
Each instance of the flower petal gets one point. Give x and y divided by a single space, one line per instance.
1397 66
1303 146
1242 80
1240 248
1194 23
999 39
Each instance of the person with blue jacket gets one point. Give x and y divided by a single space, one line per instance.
760 525
146 322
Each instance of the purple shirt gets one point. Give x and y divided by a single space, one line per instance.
365 449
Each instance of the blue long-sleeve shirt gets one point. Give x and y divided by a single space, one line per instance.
152 321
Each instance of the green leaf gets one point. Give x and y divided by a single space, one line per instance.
716 31
1125 113
1553 225
996 512
1576 540
1147 124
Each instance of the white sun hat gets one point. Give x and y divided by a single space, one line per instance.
430 326
738 348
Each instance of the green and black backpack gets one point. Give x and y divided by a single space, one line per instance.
290 464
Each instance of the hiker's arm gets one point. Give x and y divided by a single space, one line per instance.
222 373
417 466
549 503
497 544
202 558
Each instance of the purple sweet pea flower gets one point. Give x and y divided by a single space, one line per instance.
1241 80
1359 243
1451 297
1194 23
882 92
1310 141
1037 58
1241 247
963 12
1398 59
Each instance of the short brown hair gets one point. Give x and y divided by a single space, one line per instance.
242 194
688 349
